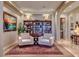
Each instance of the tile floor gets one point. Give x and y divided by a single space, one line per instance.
69 46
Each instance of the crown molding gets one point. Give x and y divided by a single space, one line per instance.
13 6
63 5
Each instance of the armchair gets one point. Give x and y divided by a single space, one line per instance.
25 39
47 40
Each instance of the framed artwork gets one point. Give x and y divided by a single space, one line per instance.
10 22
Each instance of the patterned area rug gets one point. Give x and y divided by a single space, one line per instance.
40 50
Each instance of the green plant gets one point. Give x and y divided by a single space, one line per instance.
21 29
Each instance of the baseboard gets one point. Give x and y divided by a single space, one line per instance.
9 47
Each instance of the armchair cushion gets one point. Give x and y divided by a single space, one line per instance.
44 40
26 40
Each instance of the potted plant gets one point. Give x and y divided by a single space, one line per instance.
21 29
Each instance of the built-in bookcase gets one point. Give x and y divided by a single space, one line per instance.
38 27
47 27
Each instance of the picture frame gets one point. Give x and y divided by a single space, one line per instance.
9 22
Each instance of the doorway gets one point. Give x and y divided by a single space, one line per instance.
62 28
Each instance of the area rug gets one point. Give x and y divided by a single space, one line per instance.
35 49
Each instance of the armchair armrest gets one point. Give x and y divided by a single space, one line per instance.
51 40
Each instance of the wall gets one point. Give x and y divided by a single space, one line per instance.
77 16
30 16
11 37
1 28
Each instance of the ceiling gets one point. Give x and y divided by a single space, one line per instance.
71 7
38 6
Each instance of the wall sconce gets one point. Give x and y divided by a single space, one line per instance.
46 16
28 16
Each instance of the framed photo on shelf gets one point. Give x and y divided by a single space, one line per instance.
10 22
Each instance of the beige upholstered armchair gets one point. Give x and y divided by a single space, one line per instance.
25 39
47 40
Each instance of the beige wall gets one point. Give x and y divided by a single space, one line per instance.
1 28
11 37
